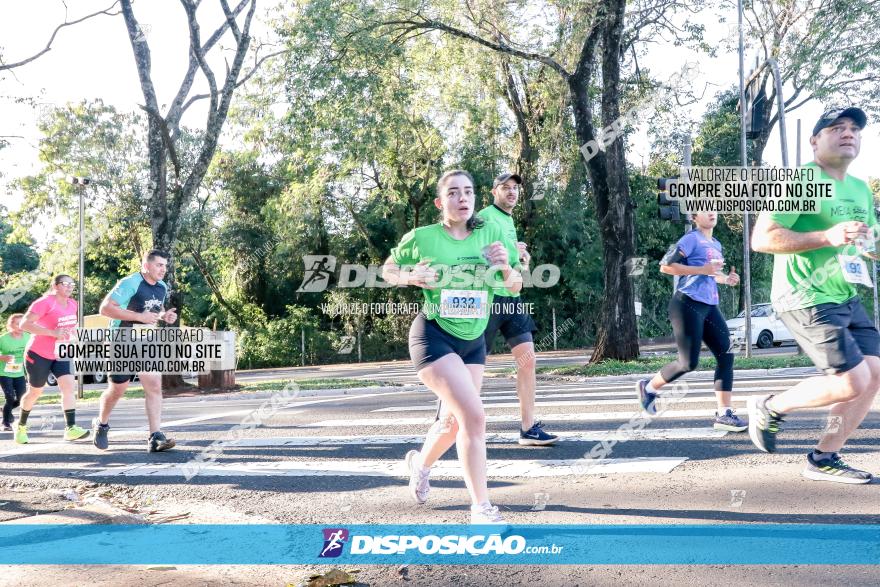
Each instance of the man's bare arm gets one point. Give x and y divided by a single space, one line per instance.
770 237
111 309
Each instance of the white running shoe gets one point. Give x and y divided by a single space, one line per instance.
418 477
486 513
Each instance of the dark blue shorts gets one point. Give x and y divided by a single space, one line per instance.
509 316
38 367
836 337
428 342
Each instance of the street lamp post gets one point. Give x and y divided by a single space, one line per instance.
747 266
81 183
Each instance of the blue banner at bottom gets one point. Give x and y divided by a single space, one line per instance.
439 544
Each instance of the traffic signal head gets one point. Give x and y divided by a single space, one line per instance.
667 209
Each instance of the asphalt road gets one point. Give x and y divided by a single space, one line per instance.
335 458
402 370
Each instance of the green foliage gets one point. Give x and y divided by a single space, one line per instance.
336 150
15 257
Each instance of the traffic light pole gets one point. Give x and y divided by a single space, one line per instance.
686 158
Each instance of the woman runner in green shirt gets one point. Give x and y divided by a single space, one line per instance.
12 345
457 262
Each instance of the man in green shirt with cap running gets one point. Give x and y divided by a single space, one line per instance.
818 259
509 315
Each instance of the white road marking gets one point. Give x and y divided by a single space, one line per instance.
491 437
22 449
395 468
585 417
595 392
256 409
558 404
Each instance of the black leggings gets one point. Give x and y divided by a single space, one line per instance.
13 389
694 322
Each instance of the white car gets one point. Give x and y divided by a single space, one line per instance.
767 329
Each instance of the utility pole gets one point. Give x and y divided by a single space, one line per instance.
80 184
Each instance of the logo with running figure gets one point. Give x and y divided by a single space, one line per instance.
318 268
334 540
152 305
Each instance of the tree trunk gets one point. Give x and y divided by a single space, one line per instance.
527 155
617 335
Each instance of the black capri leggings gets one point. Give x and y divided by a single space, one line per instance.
693 323
13 390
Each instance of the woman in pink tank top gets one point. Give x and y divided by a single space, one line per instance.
50 319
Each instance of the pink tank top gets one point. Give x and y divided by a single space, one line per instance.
51 314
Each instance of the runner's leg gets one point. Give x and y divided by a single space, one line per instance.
453 383
9 395
717 337
30 398
687 318
68 395
152 384
524 358
111 396
440 438
824 390
847 416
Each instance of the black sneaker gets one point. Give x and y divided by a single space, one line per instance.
763 423
834 469
647 400
535 436
100 432
158 442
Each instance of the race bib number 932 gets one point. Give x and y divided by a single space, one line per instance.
463 303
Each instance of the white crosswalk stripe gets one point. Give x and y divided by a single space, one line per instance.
582 417
384 468
582 403
593 392
491 437
558 404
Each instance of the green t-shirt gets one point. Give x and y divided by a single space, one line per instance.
15 347
796 282
464 286
493 213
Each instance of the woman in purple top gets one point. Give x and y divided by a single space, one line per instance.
696 261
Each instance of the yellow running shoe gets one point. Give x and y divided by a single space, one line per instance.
21 436
75 433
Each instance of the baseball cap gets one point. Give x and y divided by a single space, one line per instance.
828 118
504 177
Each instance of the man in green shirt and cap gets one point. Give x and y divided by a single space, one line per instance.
509 316
818 259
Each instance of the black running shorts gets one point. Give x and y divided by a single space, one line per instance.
836 337
37 369
428 342
508 315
